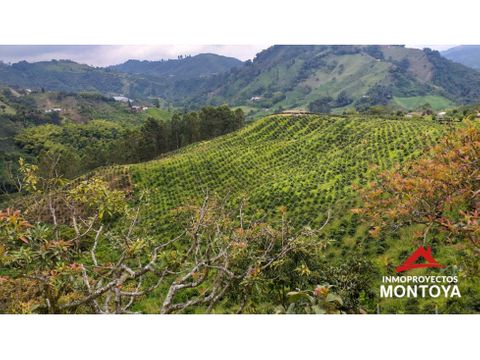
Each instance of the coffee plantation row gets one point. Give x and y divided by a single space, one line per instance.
304 163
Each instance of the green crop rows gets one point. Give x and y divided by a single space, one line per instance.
305 163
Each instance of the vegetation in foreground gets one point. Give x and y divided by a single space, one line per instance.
75 260
242 223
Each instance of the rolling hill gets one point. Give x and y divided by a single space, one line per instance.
468 55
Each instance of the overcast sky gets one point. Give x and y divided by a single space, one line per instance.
103 55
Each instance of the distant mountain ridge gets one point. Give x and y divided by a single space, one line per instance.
468 55
321 78
135 79
339 76
201 65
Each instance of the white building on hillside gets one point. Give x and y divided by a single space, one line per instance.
48 111
121 99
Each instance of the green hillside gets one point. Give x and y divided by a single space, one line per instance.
74 107
286 77
304 163
171 80
68 76
26 111
83 107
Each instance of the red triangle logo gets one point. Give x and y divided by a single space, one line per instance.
410 263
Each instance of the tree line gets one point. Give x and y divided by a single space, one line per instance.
78 148
157 137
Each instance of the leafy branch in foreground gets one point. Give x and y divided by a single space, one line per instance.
82 261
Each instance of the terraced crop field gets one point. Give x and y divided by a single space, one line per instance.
306 164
